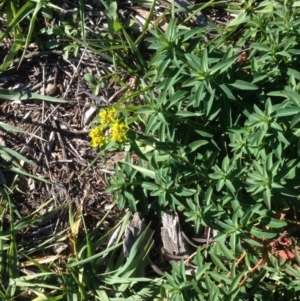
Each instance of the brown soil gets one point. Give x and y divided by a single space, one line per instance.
65 153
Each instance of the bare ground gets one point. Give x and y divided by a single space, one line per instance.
64 154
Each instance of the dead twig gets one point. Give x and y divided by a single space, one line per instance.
37 54
61 142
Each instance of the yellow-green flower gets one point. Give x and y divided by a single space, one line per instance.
118 132
98 139
107 116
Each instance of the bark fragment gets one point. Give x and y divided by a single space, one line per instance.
171 234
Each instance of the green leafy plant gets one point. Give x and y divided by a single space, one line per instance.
94 84
220 128
216 130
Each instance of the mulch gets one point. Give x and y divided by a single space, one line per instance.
65 152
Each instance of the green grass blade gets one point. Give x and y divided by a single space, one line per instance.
25 95
10 128
141 63
24 173
40 4
14 153
13 263
21 15
18 39
81 13
86 260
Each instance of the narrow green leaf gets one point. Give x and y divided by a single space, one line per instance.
261 234
171 29
224 64
102 295
220 237
215 176
137 55
12 261
258 168
260 47
38 6
171 280
220 278
24 284
204 132
243 85
92 258
249 213
137 150
24 173
88 77
162 66
131 200
182 269
269 162
295 120
208 195
201 270
233 242
195 145
225 163
250 241
220 184
204 60
287 111
235 282
227 92
292 95
13 49
225 250
146 172
272 222
194 61
240 19
217 261
146 110
137 255
297 255
25 95
21 14
149 186
292 272
14 154
282 138
230 186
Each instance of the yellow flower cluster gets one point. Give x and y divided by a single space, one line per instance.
98 139
118 132
109 123
107 116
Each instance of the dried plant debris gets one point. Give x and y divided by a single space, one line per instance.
132 231
171 236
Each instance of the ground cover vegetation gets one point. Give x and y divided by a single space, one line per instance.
211 117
